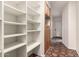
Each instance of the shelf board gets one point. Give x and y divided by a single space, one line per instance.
33 11
14 35
32 21
32 46
33 30
14 23
13 46
13 10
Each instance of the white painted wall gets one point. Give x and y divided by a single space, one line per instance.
72 25
65 26
77 41
69 25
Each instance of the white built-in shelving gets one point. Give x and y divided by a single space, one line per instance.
20 28
33 21
34 12
33 26
33 31
13 10
0 18
0 51
14 35
14 23
0 28
14 28
13 46
32 46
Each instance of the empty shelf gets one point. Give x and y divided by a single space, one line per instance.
32 46
14 35
33 31
14 23
32 21
13 10
13 46
32 11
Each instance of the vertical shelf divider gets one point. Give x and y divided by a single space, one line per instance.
2 28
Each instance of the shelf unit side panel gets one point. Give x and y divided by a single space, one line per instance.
0 29
40 50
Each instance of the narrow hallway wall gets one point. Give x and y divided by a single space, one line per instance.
65 26
69 25
77 41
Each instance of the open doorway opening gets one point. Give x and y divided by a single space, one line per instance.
47 33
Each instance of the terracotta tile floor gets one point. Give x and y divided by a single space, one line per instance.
59 50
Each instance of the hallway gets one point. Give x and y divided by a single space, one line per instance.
64 29
58 49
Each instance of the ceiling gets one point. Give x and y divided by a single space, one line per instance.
57 7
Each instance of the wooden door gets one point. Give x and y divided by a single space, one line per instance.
47 40
47 35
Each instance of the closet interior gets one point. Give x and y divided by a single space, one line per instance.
33 26
14 28
20 28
